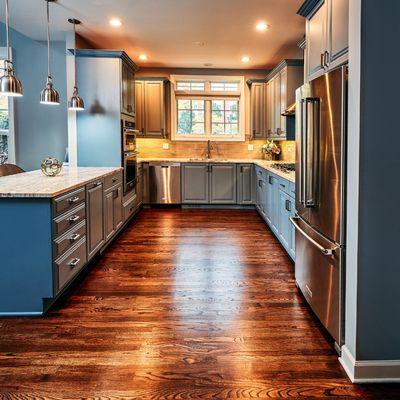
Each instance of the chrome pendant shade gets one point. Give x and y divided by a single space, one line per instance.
49 94
10 85
76 102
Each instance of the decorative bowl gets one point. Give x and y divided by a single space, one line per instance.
51 166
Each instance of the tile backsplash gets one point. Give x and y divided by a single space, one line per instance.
157 148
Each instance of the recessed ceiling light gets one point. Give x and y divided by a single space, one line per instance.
245 59
198 43
143 57
262 26
115 22
208 64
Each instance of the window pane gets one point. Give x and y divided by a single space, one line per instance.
198 128
217 105
225 86
190 85
231 117
183 104
231 105
3 103
4 125
198 104
217 116
184 121
3 149
197 116
217 128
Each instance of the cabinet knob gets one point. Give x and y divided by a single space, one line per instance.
74 218
73 263
73 199
74 237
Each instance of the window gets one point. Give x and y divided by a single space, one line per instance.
207 108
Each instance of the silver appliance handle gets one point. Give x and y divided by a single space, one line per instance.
303 153
322 249
312 151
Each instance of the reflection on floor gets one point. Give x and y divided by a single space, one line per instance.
185 304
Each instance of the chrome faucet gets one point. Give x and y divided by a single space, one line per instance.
209 148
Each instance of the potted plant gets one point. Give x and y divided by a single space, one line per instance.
271 150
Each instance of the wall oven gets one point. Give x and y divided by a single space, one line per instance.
129 155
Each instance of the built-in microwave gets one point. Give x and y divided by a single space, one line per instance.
129 154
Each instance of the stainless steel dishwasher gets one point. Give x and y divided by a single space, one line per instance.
164 183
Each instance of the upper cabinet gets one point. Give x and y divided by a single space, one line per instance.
127 89
257 106
326 34
151 106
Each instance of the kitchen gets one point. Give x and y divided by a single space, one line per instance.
195 210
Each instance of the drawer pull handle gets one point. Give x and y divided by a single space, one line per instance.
283 185
74 218
73 263
74 199
74 237
114 180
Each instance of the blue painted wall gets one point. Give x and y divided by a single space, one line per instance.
40 130
378 305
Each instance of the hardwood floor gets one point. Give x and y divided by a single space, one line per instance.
186 304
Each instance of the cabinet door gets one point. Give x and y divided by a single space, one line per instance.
139 106
195 183
277 105
270 108
95 210
338 32
154 108
223 184
245 183
257 110
124 88
109 214
269 191
291 213
272 203
283 100
316 32
118 217
284 222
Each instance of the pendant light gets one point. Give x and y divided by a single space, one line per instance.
75 103
49 95
10 85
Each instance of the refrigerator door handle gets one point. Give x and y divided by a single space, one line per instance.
322 249
303 153
311 156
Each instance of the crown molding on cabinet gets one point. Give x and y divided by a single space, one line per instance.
308 7
283 64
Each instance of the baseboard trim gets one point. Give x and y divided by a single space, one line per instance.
369 371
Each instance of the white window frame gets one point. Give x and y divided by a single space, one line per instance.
207 94
11 125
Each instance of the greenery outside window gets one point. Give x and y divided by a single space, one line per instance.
207 108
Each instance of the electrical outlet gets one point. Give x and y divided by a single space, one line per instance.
250 147
165 146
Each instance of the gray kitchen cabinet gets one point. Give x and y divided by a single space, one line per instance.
195 183
113 218
127 89
270 109
95 220
257 108
327 28
223 184
245 184
277 105
150 105
261 195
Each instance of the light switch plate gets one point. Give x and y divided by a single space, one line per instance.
165 146
250 147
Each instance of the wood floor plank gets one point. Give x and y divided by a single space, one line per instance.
185 304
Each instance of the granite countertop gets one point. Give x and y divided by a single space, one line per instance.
36 184
290 176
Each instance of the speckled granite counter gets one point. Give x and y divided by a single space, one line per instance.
290 176
35 184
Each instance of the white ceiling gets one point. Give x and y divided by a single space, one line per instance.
169 31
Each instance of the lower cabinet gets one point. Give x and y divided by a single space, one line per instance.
261 195
223 184
272 202
113 218
286 211
245 182
95 211
195 183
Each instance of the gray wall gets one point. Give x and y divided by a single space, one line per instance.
40 130
378 303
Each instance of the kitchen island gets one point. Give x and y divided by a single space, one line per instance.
51 228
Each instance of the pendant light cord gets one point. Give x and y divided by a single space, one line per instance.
48 40
75 52
8 32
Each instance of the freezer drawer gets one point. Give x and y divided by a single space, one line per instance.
164 183
319 276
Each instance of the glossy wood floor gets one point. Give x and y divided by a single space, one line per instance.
184 305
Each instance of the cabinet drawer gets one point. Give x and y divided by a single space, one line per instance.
260 172
68 220
292 189
284 185
65 242
70 264
129 208
68 201
112 180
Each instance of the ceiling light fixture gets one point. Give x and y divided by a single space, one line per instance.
75 103
115 22
262 26
245 59
10 85
49 95
143 57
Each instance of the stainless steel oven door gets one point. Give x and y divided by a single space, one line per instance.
130 170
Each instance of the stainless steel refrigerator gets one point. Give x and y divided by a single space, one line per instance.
320 196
